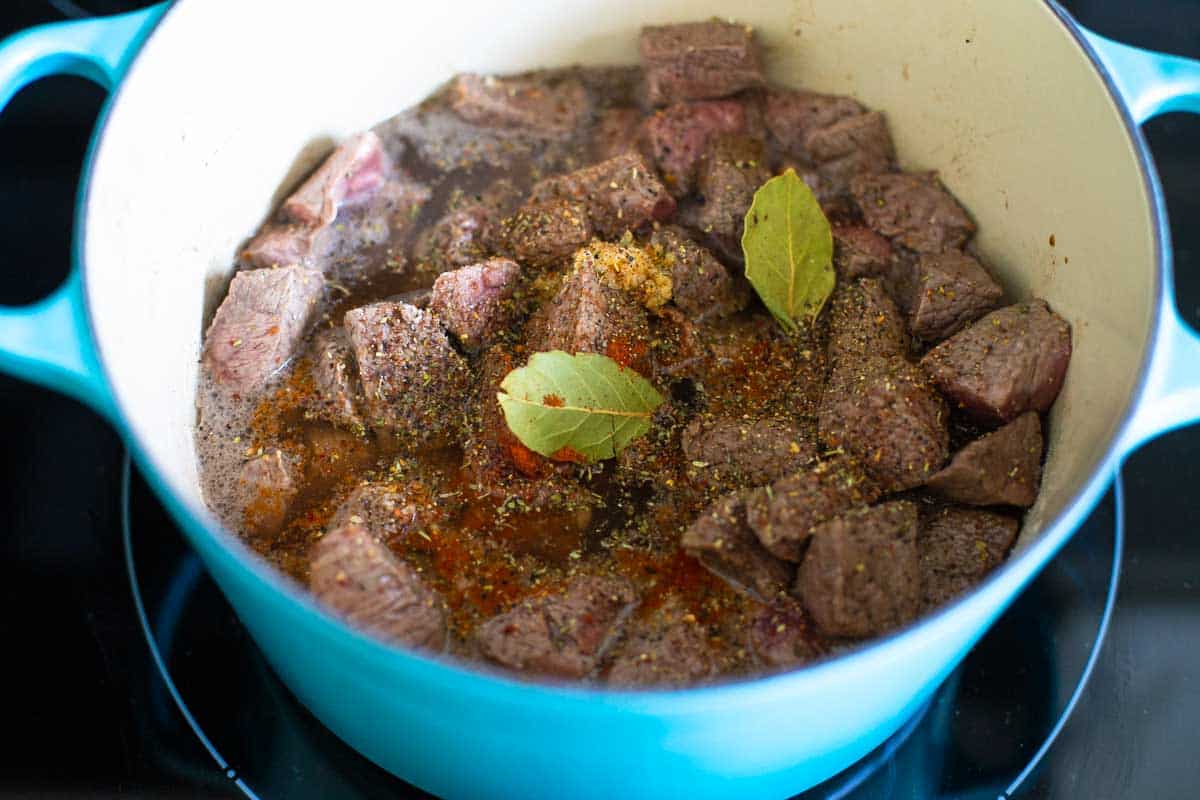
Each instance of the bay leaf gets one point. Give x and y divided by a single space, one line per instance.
788 246
580 407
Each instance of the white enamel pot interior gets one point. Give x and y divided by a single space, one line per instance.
230 101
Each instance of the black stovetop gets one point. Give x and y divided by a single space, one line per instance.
91 714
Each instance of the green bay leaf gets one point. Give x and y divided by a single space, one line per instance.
788 246
561 405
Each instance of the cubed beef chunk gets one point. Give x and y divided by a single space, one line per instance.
859 252
544 234
414 381
958 547
1003 467
619 194
392 511
1011 361
562 635
784 514
884 412
914 210
862 574
589 316
475 302
859 145
359 579
864 323
259 325
667 649
354 171
550 106
266 487
617 131
285 245
732 452
702 287
337 394
723 542
782 637
952 290
469 231
679 135
699 61
731 172
793 115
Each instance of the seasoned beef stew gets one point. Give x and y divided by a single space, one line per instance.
504 378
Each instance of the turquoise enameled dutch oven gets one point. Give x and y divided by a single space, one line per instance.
1031 120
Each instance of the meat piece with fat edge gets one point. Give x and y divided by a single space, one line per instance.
352 172
951 290
475 302
259 326
564 635
885 413
1003 467
784 514
699 61
736 452
620 194
912 209
1011 361
549 106
415 383
861 575
360 580
723 542
958 547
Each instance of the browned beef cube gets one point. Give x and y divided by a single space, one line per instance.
337 394
354 171
414 382
793 115
734 452
731 172
679 135
359 579
620 194
551 107
884 412
563 635
914 210
475 302
546 233
864 323
958 547
667 649
952 290
701 285
862 574
266 487
860 252
589 316
859 145
781 636
699 61
723 542
469 230
1003 467
285 245
259 325
391 511
617 131
784 514
1011 361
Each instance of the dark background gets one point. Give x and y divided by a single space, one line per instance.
70 665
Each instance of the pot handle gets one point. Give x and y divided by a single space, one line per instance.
49 342
1150 84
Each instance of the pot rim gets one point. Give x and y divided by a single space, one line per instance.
989 597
